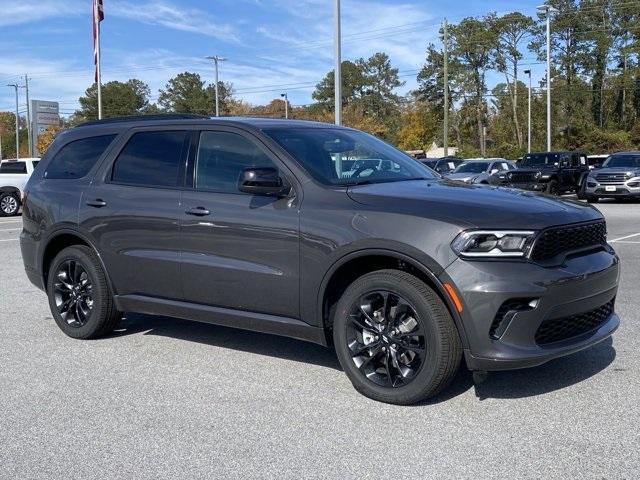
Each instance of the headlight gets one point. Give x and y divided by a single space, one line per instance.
538 174
498 243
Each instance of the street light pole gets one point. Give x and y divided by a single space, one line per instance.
286 104
528 72
16 86
548 10
216 59
338 65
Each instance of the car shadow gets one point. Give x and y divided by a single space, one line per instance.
236 339
530 382
555 375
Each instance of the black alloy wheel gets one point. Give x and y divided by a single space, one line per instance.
387 344
395 338
73 293
79 294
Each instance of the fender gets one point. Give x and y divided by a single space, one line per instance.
67 230
410 260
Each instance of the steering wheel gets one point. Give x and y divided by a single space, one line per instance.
359 170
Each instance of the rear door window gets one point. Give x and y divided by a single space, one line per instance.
151 159
13 167
76 159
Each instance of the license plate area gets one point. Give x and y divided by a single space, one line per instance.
610 188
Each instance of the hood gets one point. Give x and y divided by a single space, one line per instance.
473 206
632 170
462 177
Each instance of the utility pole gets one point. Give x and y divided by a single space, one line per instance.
548 10
216 59
528 72
286 104
338 66
16 86
445 142
29 133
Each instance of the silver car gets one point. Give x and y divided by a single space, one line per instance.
480 170
619 177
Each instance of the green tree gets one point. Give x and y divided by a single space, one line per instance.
118 99
188 93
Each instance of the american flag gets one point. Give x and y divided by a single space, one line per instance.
98 16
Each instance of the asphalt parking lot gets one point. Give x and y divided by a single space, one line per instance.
173 399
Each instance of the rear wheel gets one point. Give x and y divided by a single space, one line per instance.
581 189
395 339
9 204
79 295
592 199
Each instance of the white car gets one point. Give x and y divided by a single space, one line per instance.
13 177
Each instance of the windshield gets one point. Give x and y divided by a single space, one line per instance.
337 156
540 159
448 165
624 161
472 167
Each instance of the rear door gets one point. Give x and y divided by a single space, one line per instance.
239 251
132 212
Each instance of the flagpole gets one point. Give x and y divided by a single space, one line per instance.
96 19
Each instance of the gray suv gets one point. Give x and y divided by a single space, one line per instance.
251 223
619 177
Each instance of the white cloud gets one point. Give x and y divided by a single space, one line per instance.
158 12
29 11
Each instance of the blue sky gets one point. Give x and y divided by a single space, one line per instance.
273 46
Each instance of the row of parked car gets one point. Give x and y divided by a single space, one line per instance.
556 173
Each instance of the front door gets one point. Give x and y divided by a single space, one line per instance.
239 251
132 213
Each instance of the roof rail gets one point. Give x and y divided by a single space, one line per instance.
134 118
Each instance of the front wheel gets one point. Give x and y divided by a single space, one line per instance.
553 188
9 204
592 199
79 295
395 339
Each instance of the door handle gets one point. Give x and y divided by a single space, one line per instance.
198 211
98 203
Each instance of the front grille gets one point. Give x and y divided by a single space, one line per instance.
521 177
611 177
558 240
564 328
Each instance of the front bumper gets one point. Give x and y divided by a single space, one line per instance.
630 188
581 285
532 186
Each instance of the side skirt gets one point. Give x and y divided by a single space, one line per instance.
257 322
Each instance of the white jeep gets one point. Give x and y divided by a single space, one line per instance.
13 177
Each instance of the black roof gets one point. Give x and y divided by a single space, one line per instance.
255 122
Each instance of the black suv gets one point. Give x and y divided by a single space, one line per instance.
552 172
252 223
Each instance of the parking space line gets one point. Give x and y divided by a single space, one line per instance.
625 237
10 240
9 229
2 222
628 243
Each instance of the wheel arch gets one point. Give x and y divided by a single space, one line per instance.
11 189
353 265
62 239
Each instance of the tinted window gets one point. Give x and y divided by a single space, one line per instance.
323 151
221 159
472 167
540 159
150 158
35 163
75 159
13 167
623 161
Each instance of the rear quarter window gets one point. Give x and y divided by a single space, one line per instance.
76 158
13 167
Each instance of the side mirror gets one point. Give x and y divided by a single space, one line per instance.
494 171
263 181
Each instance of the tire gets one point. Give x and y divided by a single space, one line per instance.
430 371
553 188
592 199
581 189
86 311
9 204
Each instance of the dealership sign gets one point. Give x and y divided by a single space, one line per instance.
43 115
